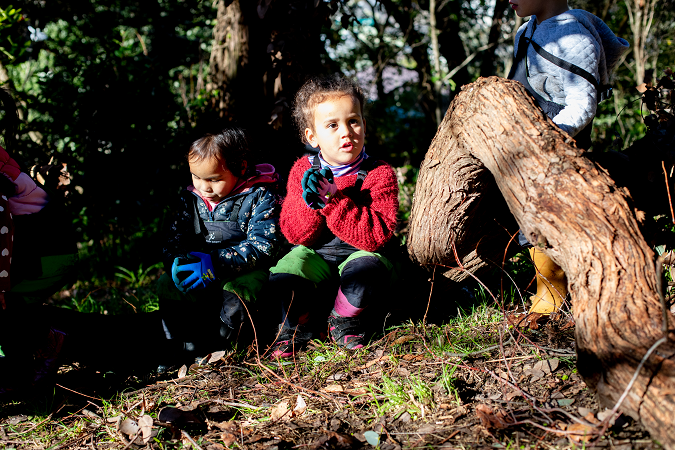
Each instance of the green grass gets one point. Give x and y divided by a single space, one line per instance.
410 395
470 331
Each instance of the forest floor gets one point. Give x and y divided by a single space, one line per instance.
519 389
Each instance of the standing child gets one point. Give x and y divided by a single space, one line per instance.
340 211
564 58
220 244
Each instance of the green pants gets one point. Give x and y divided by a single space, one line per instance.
308 264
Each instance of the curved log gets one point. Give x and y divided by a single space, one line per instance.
457 203
578 216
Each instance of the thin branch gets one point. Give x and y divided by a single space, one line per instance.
470 58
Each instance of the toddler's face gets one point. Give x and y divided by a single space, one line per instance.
212 178
339 129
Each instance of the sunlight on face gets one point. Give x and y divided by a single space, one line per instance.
339 129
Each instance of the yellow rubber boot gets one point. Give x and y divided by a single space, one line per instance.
551 284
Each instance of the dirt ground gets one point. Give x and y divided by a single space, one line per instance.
402 391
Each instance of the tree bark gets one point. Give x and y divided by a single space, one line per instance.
262 53
579 217
457 208
229 52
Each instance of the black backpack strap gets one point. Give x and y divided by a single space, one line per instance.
366 166
604 91
235 209
564 64
196 221
316 164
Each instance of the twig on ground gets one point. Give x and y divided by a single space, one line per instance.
192 441
233 404
431 291
79 393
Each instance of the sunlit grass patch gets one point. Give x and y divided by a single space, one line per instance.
468 332
412 395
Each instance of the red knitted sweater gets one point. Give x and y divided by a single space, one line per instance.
366 227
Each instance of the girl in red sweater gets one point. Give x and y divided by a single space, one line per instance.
339 212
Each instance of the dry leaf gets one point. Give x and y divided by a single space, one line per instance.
216 356
182 371
403 339
413 358
526 320
547 366
145 424
129 427
228 438
581 432
590 417
229 432
300 406
492 419
280 412
225 426
333 389
380 359
356 391
511 395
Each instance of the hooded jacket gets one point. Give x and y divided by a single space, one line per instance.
579 38
246 234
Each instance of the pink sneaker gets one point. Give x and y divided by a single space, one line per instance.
346 332
289 341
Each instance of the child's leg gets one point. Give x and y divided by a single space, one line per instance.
551 284
295 295
293 290
191 322
363 276
241 304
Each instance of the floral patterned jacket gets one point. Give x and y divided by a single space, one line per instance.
249 240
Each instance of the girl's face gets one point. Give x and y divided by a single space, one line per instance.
212 178
339 129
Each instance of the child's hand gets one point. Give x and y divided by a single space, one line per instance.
308 194
193 271
318 187
327 187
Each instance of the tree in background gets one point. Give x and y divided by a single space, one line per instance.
262 53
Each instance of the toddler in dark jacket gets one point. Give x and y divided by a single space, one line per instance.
220 244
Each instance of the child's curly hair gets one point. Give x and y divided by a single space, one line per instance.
230 146
317 90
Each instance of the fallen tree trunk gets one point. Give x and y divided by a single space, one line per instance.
576 214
